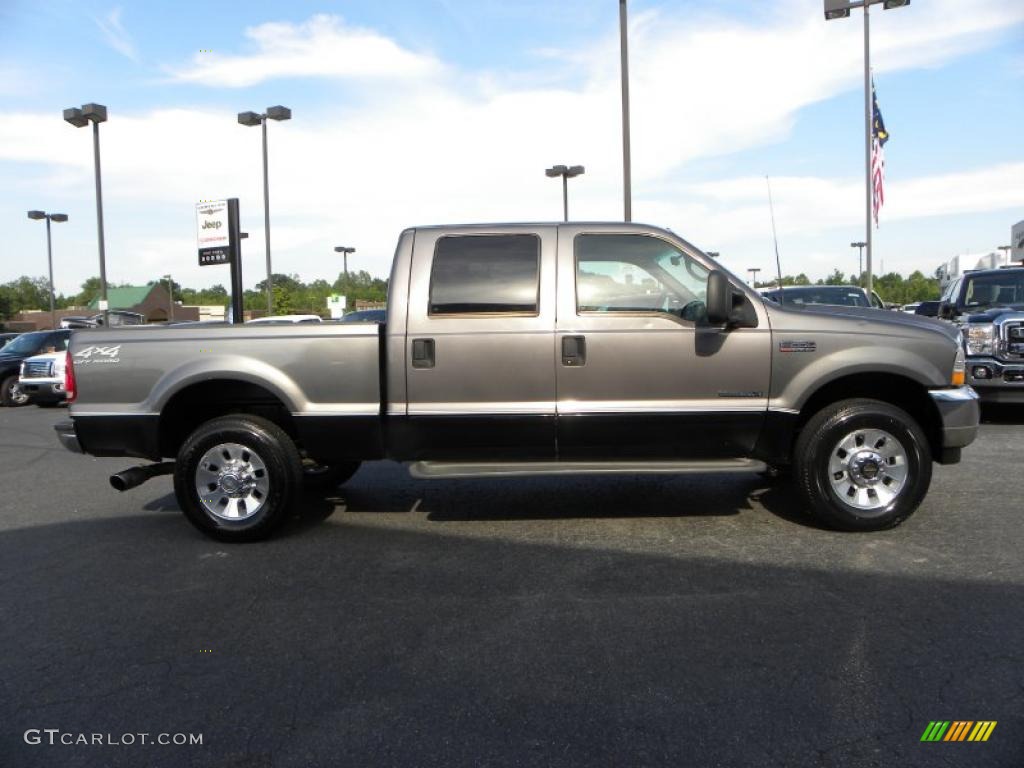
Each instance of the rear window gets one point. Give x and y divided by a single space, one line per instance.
485 274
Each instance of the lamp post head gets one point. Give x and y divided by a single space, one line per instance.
576 170
75 117
888 4
97 113
59 217
249 118
243 235
343 249
837 9
858 245
279 113
37 215
555 170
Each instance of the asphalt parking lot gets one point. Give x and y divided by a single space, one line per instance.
627 621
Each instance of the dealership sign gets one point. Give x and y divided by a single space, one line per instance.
213 233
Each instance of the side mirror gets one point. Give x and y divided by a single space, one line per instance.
719 298
946 311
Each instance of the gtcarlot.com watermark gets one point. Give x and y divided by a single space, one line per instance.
55 736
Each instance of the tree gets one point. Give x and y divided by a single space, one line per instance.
25 293
90 290
836 278
283 300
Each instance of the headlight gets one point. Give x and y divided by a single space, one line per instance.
980 339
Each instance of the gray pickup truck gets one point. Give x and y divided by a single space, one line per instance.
525 349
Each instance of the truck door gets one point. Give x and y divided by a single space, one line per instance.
480 348
641 374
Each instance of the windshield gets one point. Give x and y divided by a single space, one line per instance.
835 295
26 343
994 290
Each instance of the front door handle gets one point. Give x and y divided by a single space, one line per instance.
574 351
422 353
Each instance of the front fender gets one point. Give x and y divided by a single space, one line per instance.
796 378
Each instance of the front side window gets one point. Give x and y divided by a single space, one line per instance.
485 274
638 273
951 291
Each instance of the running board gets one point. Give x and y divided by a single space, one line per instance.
436 470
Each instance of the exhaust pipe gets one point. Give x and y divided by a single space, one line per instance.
135 476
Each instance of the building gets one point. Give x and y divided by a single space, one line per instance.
1017 241
151 301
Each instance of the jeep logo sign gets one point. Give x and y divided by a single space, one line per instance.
213 232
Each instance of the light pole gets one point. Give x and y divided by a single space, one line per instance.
753 275
58 217
566 172
838 9
860 253
250 119
627 183
95 114
344 251
170 294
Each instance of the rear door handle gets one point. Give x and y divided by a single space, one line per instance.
422 353
574 351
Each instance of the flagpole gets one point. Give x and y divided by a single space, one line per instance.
867 147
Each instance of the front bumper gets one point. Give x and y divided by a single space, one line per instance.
1004 382
960 413
43 391
67 436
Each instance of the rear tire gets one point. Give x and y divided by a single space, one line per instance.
862 465
237 477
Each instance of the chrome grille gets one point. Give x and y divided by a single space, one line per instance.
1013 340
38 369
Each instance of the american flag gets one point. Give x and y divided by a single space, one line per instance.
878 138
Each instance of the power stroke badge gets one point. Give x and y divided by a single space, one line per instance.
798 346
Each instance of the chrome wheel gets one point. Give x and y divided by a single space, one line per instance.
232 482
17 394
868 469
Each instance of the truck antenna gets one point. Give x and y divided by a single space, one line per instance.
775 237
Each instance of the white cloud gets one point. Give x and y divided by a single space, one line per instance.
324 46
451 150
116 35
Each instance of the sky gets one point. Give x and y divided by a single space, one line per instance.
448 111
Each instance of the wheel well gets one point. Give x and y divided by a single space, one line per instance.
199 403
890 388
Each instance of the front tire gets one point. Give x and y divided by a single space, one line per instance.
237 477
11 393
862 465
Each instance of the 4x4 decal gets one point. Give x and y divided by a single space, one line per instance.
96 354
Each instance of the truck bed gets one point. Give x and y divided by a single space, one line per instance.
126 381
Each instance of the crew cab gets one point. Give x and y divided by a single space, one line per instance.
988 306
523 349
